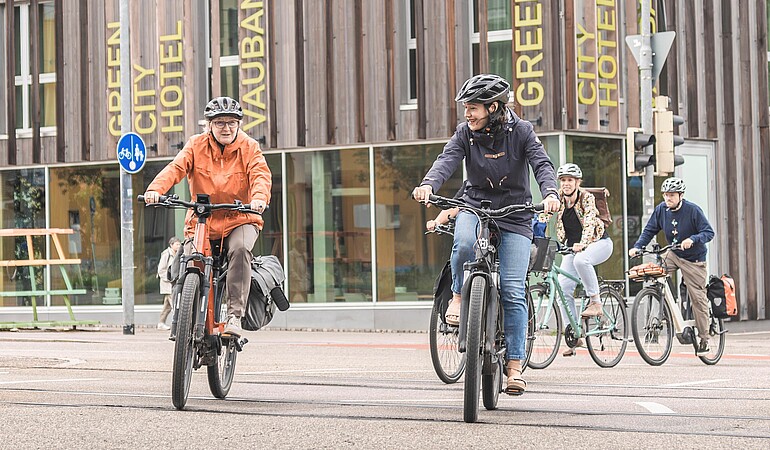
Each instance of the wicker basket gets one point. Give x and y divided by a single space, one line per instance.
638 273
542 255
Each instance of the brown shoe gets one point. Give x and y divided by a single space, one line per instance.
594 309
573 350
516 384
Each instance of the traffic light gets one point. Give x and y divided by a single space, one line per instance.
664 122
636 159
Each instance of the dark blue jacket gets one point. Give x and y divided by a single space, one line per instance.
686 222
498 168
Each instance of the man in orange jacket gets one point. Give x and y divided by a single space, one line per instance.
225 163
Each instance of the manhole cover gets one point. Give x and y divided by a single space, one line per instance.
25 362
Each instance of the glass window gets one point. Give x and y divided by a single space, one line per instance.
499 15
411 48
328 226
270 241
228 27
85 202
408 261
22 193
499 38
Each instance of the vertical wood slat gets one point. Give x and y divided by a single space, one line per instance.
358 65
61 142
422 104
390 62
761 122
691 63
216 51
710 75
483 24
671 70
451 109
85 82
10 51
315 65
299 31
331 124
272 76
34 60
570 100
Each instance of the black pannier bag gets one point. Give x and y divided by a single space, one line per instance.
265 293
442 289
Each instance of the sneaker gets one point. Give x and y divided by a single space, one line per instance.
233 327
592 310
703 348
163 326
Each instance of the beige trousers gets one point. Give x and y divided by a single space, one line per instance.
695 277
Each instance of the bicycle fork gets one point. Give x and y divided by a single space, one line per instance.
491 309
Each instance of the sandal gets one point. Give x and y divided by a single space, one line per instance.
452 315
516 385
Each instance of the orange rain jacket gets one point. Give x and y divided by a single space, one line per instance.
239 172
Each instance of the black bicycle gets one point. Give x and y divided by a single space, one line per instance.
199 307
480 333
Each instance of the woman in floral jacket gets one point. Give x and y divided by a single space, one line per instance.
579 227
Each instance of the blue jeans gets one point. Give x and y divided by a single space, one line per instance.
514 259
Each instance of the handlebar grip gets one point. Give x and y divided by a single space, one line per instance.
432 198
140 198
540 207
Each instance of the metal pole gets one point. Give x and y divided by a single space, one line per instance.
126 206
645 96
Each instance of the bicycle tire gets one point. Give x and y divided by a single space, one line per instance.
652 327
608 348
447 360
530 342
717 336
491 385
547 328
222 371
184 350
474 345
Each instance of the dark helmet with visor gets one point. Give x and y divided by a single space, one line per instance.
223 107
484 89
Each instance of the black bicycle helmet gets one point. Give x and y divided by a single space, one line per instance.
484 89
223 106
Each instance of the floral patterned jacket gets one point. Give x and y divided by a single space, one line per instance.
588 214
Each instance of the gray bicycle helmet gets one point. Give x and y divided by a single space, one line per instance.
569 170
673 184
484 89
223 106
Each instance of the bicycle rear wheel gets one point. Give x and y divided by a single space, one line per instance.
222 371
608 346
716 341
652 327
491 384
530 342
184 348
447 360
547 328
474 345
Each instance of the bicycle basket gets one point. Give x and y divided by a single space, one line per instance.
542 255
637 273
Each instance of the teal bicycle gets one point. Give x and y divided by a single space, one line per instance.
606 336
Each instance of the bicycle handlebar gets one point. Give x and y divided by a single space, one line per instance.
171 201
442 229
448 203
657 250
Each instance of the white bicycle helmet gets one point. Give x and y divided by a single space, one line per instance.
673 184
569 170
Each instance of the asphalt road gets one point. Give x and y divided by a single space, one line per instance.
298 389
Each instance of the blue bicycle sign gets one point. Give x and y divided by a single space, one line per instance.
131 152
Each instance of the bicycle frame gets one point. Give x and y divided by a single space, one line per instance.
661 284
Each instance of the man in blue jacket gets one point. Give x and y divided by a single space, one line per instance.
685 224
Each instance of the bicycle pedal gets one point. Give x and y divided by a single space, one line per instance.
239 343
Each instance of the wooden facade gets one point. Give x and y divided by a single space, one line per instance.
335 72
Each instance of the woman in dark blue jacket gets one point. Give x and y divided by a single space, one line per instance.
498 148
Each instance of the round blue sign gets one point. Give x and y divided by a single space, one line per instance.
131 152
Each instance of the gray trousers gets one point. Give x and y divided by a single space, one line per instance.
695 277
582 265
239 243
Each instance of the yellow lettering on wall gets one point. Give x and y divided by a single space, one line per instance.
139 96
252 54
608 89
529 20
582 98
534 91
144 130
113 78
529 45
171 94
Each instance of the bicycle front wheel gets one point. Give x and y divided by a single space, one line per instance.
447 360
222 371
530 342
716 341
474 344
546 315
184 348
607 335
652 327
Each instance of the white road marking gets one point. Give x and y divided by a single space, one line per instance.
693 383
60 380
655 408
342 370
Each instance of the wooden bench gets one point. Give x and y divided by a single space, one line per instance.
32 262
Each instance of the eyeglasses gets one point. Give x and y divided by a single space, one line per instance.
221 124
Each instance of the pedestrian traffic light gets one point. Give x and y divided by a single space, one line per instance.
664 122
636 159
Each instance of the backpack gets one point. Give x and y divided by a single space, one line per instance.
442 289
721 293
600 195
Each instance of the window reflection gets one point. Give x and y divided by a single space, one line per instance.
407 260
